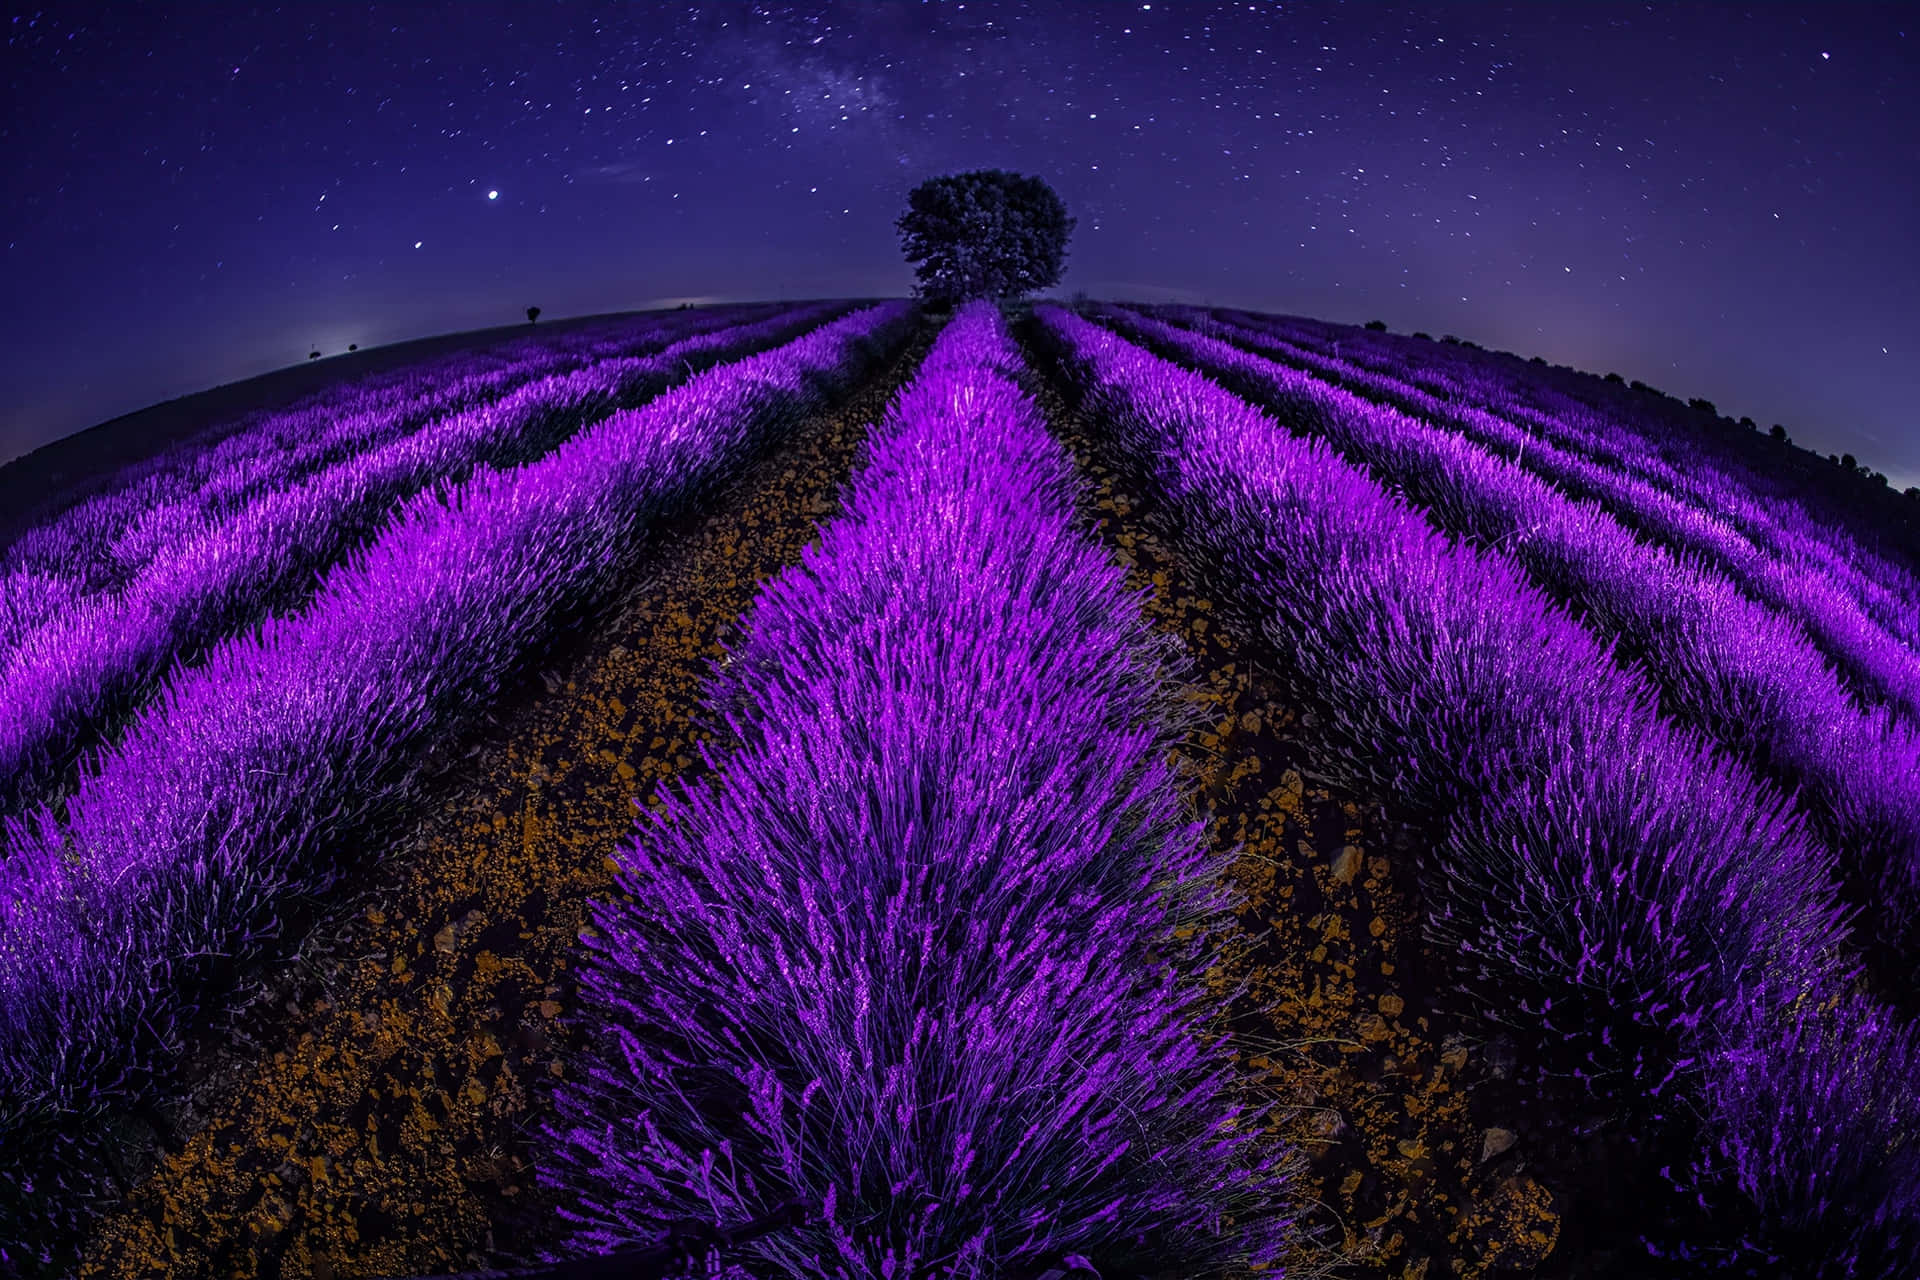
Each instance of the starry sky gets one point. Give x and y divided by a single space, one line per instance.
1717 199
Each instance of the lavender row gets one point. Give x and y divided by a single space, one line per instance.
1610 874
239 788
1724 664
1743 459
103 542
901 958
107 537
1671 457
409 379
1878 667
85 530
68 684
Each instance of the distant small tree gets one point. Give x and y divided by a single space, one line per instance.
1913 491
1877 478
1778 432
1536 359
1704 405
1748 423
353 346
533 314
1614 377
1427 336
987 233
1834 458
313 355
1378 326
1847 462
1449 339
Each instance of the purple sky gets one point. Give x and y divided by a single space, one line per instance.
1715 199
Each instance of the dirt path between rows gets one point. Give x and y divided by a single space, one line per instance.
375 1107
1415 1176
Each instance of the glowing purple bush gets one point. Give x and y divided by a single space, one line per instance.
910 958
1623 884
237 787
77 675
1658 441
1876 662
104 539
1814 1121
1723 663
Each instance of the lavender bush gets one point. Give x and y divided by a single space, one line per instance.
912 958
1723 663
71 681
1813 1121
1618 882
192 489
234 791
1877 663
1655 440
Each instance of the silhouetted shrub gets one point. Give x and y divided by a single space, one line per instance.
353 346
1847 460
1703 405
1834 458
986 233
1748 423
313 355
1913 491
1778 433
1536 359
533 314
1427 336
1377 326
1449 338
1614 377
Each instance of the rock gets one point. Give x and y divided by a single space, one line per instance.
1494 1141
1346 864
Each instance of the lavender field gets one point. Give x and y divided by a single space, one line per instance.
849 789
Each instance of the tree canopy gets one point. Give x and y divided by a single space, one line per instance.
987 233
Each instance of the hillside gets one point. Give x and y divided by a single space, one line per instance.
1150 790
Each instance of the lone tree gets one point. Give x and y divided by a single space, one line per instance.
533 314
987 233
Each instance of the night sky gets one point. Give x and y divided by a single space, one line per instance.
1719 200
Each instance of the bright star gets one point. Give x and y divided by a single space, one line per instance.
493 195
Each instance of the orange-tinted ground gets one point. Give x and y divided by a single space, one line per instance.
1411 1179
383 1126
